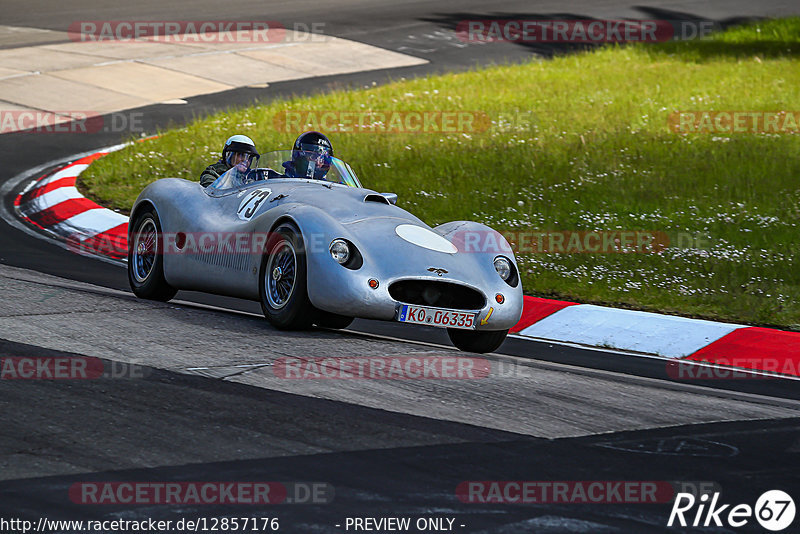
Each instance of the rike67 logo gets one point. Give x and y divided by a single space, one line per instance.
774 510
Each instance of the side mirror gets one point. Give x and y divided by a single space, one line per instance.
391 197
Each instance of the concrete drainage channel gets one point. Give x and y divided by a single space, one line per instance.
96 75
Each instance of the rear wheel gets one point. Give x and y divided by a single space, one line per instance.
146 259
283 291
477 340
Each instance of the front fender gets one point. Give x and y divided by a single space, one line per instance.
331 286
477 238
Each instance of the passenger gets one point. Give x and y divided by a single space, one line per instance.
238 150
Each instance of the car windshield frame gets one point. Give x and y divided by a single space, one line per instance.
234 179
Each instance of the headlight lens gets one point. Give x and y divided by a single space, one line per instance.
503 267
340 251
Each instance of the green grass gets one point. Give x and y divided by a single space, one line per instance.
577 143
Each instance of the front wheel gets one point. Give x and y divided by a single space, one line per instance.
283 291
332 320
477 341
146 259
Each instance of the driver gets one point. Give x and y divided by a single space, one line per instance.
311 157
239 150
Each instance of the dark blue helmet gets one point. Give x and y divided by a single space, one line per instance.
312 154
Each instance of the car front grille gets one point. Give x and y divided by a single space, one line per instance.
437 294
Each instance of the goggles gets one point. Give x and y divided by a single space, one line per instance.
238 158
320 155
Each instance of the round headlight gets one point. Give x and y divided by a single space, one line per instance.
340 251
503 267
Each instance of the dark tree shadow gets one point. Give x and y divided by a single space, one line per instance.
681 22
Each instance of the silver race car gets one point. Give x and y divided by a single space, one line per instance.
322 252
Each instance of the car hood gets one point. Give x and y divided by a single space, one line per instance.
347 205
379 229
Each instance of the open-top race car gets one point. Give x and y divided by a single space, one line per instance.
322 251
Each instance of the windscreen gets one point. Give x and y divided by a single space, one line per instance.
282 164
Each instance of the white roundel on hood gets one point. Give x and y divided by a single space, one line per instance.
422 237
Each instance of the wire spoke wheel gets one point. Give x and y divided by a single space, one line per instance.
146 258
283 287
280 276
145 248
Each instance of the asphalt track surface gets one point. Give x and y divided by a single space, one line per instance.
576 414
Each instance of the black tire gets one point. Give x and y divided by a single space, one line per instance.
146 259
479 341
332 320
282 284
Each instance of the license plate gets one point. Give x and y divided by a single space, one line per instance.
436 317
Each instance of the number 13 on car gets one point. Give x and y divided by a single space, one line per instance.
251 202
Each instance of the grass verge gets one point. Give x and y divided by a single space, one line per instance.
579 143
